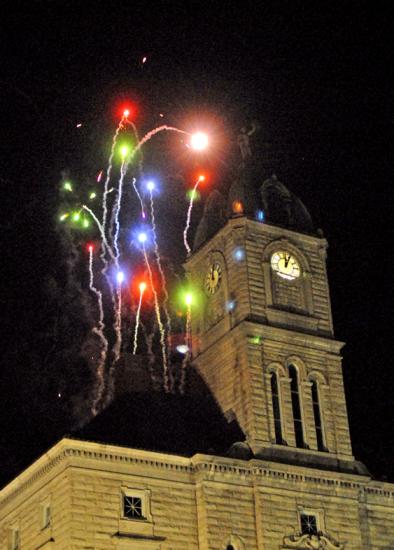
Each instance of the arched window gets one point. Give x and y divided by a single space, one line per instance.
317 416
296 406
234 543
276 408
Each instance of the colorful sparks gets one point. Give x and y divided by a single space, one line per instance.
200 178
142 288
115 261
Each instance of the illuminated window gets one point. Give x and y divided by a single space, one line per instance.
135 504
276 408
296 407
308 524
132 507
317 416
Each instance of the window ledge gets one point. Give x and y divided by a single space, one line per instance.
138 537
135 527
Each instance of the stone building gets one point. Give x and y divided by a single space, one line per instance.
256 455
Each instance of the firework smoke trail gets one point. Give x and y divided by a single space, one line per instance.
155 131
116 349
118 320
189 214
101 229
99 330
109 169
117 210
158 261
140 162
117 303
188 343
137 318
105 246
149 349
134 183
159 322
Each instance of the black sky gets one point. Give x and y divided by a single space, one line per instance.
316 76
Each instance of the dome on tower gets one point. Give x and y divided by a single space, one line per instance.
247 196
281 207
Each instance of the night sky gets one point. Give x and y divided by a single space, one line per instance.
317 81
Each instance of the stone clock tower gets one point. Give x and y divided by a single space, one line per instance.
263 337
164 471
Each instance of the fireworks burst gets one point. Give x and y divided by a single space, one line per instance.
116 252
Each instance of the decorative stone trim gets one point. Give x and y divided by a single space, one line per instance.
115 457
314 542
37 475
197 464
222 468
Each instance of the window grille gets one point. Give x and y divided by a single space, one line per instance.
133 507
308 524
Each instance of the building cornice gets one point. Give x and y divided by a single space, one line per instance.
203 466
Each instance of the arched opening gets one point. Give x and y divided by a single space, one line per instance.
276 408
296 407
317 416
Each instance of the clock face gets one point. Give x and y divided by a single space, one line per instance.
213 278
285 265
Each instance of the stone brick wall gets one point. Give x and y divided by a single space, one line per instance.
202 503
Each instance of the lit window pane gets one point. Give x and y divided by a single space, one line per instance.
132 507
308 524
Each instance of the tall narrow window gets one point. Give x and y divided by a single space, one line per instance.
15 539
317 416
295 403
276 408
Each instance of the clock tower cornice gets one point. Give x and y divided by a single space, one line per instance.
255 228
252 329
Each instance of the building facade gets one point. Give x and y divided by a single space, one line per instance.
263 343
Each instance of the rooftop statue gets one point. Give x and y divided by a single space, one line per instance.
243 140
